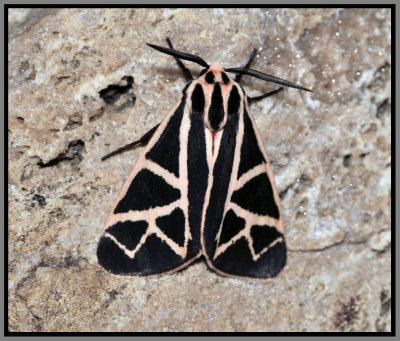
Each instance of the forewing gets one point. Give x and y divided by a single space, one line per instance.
149 231
243 232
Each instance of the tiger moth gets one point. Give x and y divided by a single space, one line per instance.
202 186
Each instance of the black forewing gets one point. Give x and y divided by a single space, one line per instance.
241 237
222 173
147 191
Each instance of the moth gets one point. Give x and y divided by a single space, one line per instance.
202 186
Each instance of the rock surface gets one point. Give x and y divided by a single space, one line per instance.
330 152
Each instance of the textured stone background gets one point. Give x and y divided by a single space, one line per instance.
330 151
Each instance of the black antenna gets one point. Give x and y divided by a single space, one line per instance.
181 55
265 77
251 60
186 71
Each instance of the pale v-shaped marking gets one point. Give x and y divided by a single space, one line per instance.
151 229
169 177
252 173
251 220
150 214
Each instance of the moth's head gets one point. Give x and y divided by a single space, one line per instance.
214 74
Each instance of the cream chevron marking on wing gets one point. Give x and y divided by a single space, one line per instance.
169 177
222 248
150 216
253 218
151 229
252 173
256 256
151 213
246 234
129 253
179 250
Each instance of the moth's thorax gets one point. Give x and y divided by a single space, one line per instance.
215 96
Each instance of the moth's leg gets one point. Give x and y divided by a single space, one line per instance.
251 60
142 141
185 70
257 98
